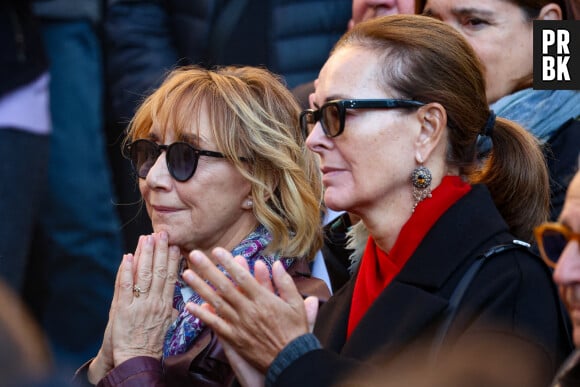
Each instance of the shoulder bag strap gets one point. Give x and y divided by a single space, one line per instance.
461 288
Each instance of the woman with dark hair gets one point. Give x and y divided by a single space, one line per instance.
501 33
395 119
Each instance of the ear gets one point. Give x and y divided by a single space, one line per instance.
433 119
550 11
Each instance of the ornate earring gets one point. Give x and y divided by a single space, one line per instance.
421 180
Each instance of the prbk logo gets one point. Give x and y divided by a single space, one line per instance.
556 54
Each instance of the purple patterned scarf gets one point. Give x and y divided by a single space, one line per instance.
185 328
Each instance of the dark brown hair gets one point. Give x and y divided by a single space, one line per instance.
427 60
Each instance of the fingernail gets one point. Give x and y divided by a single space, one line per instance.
187 275
195 256
220 253
191 307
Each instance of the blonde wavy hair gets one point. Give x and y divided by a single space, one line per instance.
254 116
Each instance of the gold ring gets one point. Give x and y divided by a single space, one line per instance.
137 291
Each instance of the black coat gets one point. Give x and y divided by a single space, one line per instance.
146 38
22 55
513 290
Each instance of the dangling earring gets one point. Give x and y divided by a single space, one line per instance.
421 180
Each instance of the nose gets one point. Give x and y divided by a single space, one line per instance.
159 176
567 270
317 140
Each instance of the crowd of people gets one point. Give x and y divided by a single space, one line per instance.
281 193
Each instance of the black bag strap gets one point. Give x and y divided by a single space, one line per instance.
461 288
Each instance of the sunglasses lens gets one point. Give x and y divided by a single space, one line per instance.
307 122
143 155
331 120
181 161
554 243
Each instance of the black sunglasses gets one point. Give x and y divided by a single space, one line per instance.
552 239
181 157
331 115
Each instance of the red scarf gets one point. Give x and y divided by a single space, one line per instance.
378 268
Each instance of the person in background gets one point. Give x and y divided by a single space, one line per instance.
221 162
25 356
559 244
25 128
361 10
398 109
77 243
501 33
145 39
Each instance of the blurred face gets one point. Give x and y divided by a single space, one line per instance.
500 34
369 9
367 167
567 272
210 209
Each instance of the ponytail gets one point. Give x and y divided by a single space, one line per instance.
517 177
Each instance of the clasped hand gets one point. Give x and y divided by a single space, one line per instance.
141 310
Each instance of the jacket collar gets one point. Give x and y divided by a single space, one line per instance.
456 237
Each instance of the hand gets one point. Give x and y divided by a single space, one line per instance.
256 322
246 374
141 318
137 324
104 362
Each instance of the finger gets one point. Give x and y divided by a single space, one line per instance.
160 262
211 319
137 253
262 275
172 268
284 283
242 262
210 272
208 294
118 284
125 290
311 307
145 262
242 277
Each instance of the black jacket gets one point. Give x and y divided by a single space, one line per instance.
22 56
513 290
146 38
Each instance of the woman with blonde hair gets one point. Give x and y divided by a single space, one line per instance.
220 161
